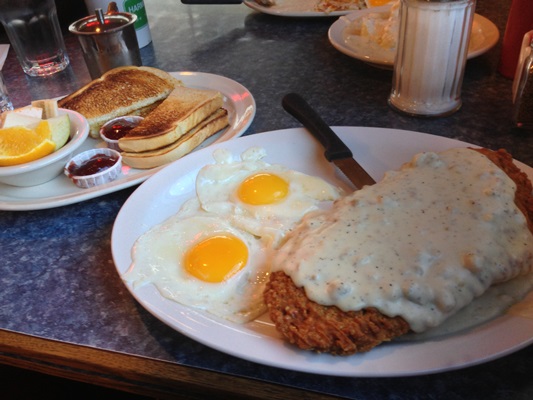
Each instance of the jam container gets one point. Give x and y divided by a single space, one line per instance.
94 167
116 128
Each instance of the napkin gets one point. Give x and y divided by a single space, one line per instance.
4 48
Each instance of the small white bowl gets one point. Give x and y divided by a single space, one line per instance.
47 168
134 120
98 178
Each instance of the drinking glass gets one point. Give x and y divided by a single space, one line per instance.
5 103
33 30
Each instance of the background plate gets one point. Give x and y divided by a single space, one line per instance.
484 36
294 8
61 191
378 150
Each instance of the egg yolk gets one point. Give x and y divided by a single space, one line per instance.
263 188
217 258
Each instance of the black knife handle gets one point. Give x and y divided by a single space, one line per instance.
295 105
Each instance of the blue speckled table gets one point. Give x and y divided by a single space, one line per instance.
63 308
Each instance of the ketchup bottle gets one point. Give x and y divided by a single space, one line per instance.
519 22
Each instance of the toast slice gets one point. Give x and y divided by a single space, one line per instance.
184 145
121 91
181 111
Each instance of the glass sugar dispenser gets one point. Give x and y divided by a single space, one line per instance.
431 56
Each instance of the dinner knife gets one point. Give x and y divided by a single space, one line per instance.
335 150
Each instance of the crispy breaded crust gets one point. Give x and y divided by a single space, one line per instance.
120 91
312 326
524 188
181 111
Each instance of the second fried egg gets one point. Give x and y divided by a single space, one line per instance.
261 198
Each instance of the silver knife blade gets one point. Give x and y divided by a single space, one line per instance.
335 149
354 172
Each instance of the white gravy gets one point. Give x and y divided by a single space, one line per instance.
421 244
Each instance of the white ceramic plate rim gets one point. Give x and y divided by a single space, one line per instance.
305 12
336 37
378 150
61 191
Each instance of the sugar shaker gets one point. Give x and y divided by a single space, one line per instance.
431 56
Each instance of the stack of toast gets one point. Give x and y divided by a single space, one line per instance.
176 118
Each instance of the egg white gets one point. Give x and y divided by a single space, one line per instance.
217 185
158 259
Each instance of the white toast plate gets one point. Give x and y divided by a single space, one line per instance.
61 191
378 150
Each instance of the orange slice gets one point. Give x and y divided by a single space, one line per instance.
20 145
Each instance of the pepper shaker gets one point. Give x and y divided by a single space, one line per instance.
431 56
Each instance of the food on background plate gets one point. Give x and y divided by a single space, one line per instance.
121 91
404 254
376 32
213 253
32 132
382 28
323 6
328 6
180 123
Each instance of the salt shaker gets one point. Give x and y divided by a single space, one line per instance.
523 85
431 56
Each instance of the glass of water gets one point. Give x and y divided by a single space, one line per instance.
5 103
33 30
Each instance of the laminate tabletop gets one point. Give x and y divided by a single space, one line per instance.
64 309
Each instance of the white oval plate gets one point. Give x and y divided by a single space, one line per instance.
61 191
484 36
294 8
378 150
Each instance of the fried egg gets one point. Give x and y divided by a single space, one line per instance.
201 260
264 199
214 253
